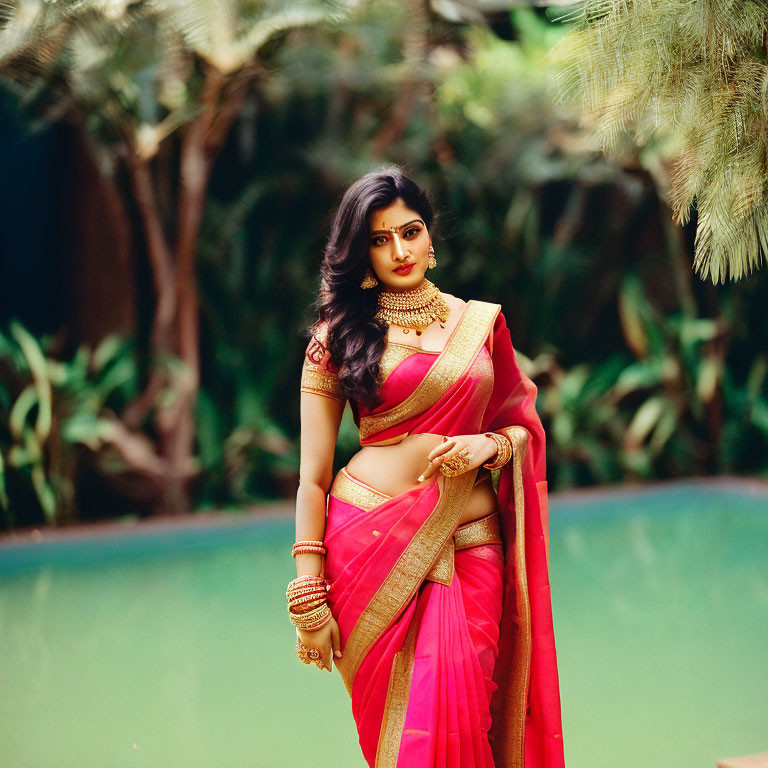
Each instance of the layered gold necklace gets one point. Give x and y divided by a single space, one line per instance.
413 309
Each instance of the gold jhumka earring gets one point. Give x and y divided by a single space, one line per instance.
432 263
369 281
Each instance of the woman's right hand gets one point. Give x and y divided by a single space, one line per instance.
326 640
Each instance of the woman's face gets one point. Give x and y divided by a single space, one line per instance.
391 252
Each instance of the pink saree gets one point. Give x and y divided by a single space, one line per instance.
448 650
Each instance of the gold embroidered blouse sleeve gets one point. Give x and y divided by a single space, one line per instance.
318 373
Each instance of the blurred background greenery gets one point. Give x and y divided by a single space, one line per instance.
170 174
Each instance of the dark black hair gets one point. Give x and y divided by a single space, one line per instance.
356 340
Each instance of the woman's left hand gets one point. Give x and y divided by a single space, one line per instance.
477 448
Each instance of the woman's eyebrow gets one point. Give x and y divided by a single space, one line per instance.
386 231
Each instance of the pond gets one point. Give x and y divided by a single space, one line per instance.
169 646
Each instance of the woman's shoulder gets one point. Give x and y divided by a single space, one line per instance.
317 352
459 305
320 331
455 304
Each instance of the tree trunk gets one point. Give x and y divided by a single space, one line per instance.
101 291
177 317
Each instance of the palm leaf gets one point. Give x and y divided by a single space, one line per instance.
695 75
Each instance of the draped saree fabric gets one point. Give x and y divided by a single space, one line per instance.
447 637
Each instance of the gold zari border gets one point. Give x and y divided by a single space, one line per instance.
442 571
445 371
320 381
346 488
509 716
484 530
396 704
393 355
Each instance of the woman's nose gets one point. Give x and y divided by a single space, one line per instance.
398 246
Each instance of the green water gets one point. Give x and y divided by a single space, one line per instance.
173 649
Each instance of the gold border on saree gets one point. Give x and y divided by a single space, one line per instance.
451 363
354 491
475 533
508 728
396 704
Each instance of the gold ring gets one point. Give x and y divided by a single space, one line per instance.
460 459
456 464
306 655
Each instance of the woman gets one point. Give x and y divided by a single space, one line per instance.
428 586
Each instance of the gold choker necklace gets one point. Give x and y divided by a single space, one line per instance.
413 309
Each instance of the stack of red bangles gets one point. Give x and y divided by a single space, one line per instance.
307 595
307 547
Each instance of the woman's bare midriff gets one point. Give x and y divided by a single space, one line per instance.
394 469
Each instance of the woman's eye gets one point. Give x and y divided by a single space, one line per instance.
377 240
415 230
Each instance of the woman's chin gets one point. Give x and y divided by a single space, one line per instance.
403 282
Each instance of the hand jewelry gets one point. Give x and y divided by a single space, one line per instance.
311 620
503 451
456 464
308 603
307 655
308 546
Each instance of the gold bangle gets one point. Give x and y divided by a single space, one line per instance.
311 620
308 546
317 624
503 451
307 602
315 592
303 583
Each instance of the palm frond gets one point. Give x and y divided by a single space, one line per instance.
693 73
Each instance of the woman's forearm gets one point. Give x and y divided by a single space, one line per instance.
310 524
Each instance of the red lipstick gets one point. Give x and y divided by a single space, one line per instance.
404 270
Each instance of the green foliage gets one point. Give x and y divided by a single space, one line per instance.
133 70
690 79
130 74
56 409
640 374
675 410
518 195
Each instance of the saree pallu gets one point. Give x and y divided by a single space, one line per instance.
448 650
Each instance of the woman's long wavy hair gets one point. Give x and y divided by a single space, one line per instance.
356 340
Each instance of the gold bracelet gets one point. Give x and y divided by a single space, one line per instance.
318 624
503 451
306 604
302 583
296 593
311 620
308 547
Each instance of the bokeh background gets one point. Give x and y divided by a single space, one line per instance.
169 172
